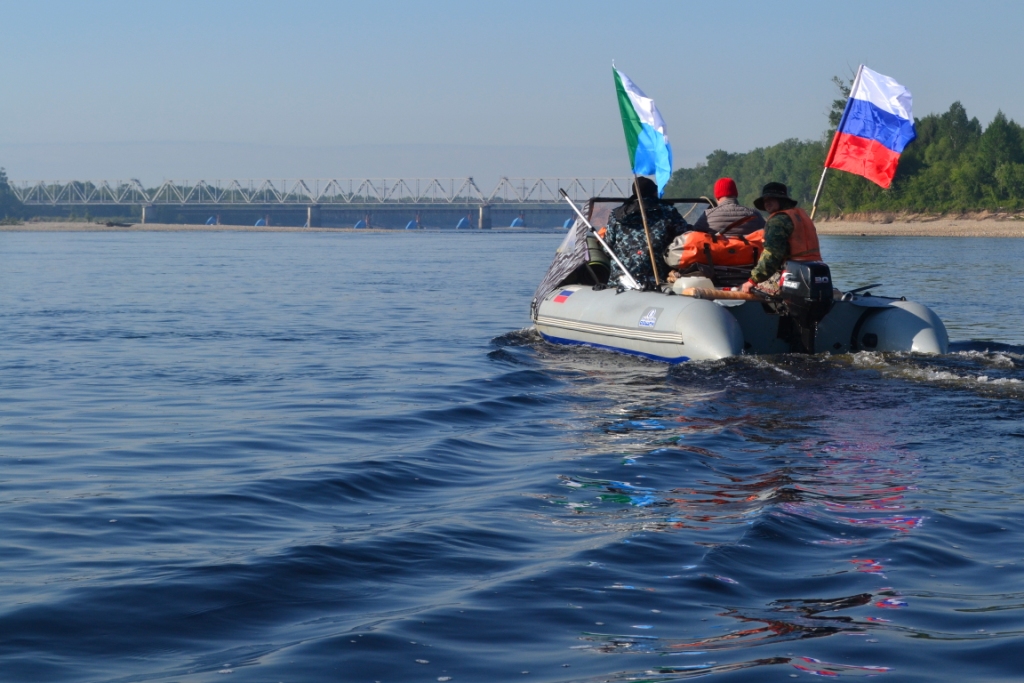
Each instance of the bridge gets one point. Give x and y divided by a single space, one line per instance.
389 199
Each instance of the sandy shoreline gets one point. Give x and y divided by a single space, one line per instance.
940 227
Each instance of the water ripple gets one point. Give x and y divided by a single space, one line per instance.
263 457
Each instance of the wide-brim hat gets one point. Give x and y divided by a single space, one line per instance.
775 191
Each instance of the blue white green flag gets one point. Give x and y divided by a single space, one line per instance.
649 150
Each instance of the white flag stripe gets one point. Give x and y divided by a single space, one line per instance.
643 105
884 93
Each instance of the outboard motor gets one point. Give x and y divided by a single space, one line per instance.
806 293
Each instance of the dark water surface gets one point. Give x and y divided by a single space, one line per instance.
337 457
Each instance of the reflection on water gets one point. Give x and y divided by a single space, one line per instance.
756 490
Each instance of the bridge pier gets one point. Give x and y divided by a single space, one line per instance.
313 216
144 208
485 217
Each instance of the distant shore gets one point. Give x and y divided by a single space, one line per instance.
81 226
923 227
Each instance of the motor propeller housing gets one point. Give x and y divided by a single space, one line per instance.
806 298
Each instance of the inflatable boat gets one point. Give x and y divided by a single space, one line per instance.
698 319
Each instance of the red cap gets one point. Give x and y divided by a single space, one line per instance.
725 187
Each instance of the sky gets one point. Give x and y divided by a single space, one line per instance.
158 90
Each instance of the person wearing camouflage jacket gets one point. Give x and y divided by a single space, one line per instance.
625 235
778 233
776 247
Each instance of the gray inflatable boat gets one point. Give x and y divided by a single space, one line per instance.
673 328
573 306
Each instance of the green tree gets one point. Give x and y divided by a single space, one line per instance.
10 207
835 114
954 164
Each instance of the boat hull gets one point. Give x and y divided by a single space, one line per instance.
675 329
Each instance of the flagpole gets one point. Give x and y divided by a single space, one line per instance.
643 217
821 184
835 136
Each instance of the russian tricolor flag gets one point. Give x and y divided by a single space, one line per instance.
876 125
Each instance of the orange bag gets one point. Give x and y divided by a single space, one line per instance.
694 247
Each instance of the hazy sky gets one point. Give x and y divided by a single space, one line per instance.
318 88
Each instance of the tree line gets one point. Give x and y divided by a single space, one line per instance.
10 207
953 165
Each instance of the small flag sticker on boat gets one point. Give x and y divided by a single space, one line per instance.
562 296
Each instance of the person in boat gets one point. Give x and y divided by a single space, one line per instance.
789 234
626 237
729 217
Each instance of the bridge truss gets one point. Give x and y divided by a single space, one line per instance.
307 192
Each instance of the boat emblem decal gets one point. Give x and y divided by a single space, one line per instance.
650 317
562 296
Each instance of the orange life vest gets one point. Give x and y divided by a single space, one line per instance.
803 243
696 247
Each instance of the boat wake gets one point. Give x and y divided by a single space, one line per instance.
988 368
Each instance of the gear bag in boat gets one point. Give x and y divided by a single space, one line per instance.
700 248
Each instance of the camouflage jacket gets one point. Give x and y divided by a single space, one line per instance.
776 247
626 238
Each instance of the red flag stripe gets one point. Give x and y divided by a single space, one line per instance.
867 158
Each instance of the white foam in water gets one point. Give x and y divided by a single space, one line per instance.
761 362
877 361
930 375
1003 359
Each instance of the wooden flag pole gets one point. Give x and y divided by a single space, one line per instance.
647 231
835 136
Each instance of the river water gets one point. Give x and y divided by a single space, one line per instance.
313 457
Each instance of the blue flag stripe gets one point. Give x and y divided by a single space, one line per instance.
653 156
865 120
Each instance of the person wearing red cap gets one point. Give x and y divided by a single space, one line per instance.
729 217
